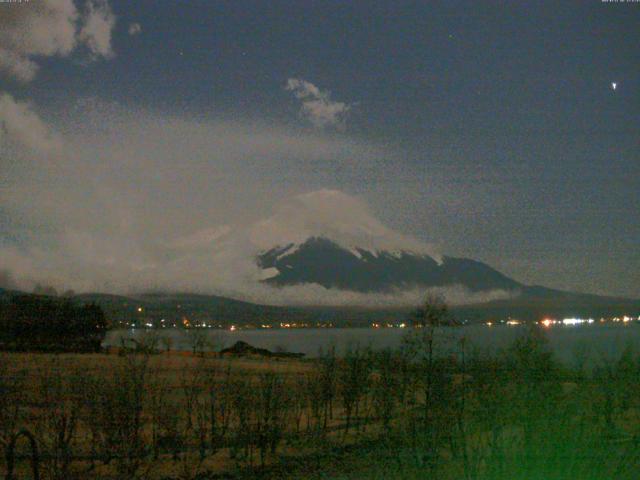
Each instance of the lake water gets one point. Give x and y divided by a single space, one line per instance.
596 342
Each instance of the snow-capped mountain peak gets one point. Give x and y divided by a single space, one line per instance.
335 216
327 247
323 262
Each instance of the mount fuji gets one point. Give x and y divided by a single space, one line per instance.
323 256
330 239
323 261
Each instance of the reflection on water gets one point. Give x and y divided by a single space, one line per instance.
593 342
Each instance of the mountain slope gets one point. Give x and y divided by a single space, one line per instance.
322 261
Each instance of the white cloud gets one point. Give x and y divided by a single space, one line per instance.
17 66
20 125
133 187
317 295
138 201
135 29
96 31
50 28
201 239
343 218
317 106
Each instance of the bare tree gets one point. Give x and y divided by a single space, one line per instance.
198 340
271 413
426 424
114 413
12 401
57 416
353 380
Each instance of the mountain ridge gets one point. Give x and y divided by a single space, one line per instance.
224 311
323 261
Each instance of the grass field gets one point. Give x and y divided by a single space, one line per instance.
403 414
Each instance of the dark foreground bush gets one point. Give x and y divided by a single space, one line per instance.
46 324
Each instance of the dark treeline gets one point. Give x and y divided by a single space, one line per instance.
41 323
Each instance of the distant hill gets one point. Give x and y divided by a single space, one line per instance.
534 304
216 310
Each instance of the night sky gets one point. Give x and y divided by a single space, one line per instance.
490 129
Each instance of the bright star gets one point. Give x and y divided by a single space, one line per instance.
614 85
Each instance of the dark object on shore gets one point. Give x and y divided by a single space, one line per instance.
36 323
243 349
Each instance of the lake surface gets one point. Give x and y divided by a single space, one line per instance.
594 342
